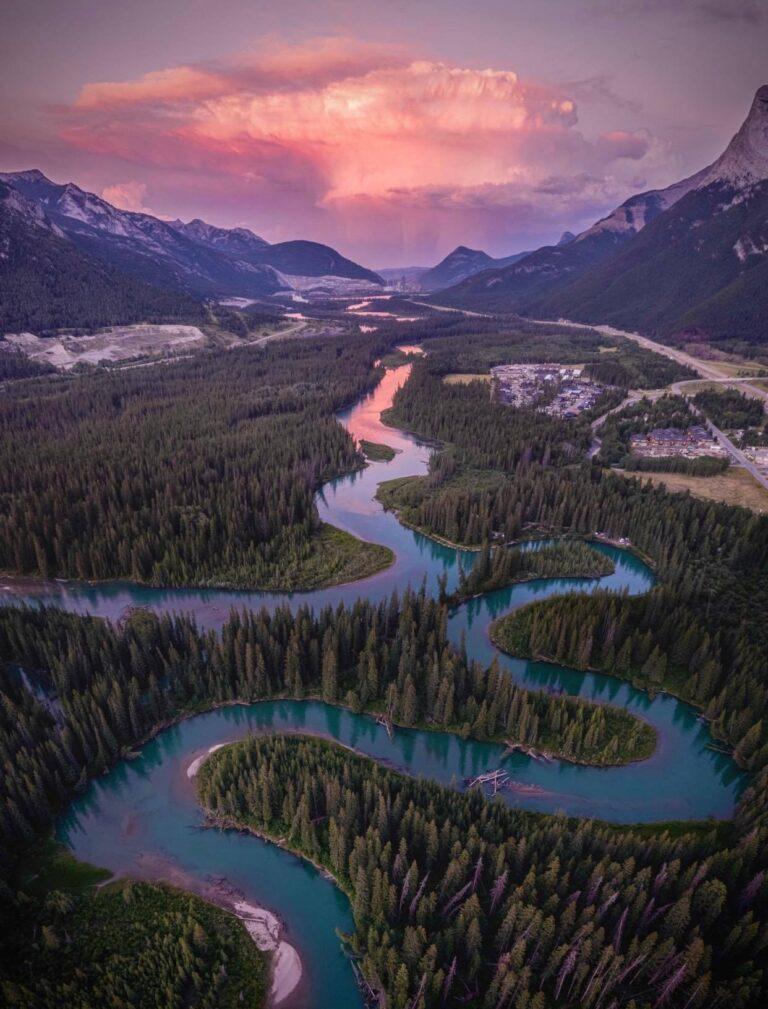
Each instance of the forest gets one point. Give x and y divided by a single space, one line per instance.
196 472
134 944
730 409
458 343
504 565
78 694
459 900
712 559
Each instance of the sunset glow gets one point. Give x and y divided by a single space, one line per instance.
343 133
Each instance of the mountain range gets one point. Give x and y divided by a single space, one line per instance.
104 257
688 261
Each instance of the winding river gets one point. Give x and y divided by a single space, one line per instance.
142 817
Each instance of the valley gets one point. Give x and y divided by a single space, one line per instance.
150 793
394 637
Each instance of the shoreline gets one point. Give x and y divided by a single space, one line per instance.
265 927
16 584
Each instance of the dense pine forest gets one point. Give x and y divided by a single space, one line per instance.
203 471
15 364
132 944
493 569
459 900
97 692
712 558
101 690
730 408
198 472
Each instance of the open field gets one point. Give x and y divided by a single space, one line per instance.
118 343
735 486
462 378
738 369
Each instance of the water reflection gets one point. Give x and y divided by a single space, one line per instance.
146 807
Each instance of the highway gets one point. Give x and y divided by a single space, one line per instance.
704 368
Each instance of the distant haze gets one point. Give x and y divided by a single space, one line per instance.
393 132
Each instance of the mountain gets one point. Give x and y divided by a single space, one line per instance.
299 259
700 268
46 282
528 280
196 257
462 263
234 241
689 259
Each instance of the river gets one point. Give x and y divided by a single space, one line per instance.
143 818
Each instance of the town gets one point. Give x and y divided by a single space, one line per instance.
556 389
694 442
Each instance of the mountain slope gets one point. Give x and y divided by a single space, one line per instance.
462 263
697 267
47 283
524 282
311 259
194 257
689 258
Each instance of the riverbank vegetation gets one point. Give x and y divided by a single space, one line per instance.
459 900
129 944
90 693
197 472
504 565
98 691
376 452
712 559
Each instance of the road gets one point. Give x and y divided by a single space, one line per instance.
736 454
703 368
447 308
746 385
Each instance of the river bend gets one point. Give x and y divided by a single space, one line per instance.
143 818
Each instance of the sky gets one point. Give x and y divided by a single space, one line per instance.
392 131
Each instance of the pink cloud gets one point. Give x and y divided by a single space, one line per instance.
177 84
129 196
334 129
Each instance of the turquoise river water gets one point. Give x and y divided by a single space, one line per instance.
143 818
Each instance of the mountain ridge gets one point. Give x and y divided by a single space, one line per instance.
614 265
197 258
461 263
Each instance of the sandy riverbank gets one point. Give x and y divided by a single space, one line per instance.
263 926
198 762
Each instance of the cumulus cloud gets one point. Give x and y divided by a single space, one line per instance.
129 196
335 132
